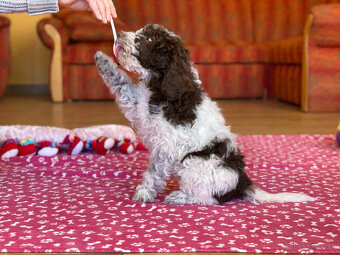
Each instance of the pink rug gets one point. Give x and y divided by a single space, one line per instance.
83 204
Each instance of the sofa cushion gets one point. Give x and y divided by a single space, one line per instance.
326 24
280 19
198 20
4 22
228 53
86 83
233 80
195 21
287 51
84 27
83 53
4 53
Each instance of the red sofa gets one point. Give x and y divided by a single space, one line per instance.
242 48
4 53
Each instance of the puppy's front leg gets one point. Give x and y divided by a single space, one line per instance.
152 183
119 83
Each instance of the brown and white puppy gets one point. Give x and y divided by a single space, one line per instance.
180 125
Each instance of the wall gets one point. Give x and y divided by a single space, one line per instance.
29 57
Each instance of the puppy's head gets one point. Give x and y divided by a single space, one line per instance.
156 53
161 60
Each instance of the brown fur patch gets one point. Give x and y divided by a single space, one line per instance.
172 84
233 161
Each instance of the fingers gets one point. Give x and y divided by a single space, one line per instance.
103 9
94 8
107 10
112 9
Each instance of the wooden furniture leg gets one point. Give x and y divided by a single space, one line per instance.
305 64
56 68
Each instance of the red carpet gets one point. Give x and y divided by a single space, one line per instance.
83 204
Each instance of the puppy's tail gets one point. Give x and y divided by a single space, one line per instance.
259 195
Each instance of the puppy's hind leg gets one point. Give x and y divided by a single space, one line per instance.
179 197
200 180
119 83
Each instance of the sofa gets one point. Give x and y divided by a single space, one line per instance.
241 48
4 53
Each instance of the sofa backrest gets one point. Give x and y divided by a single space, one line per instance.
200 21
280 19
195 20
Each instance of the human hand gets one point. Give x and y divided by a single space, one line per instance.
102 9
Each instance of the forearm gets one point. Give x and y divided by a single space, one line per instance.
33 7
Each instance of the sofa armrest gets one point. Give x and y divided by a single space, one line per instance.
58 25
325 30
4 53
54 35
321 60
4 22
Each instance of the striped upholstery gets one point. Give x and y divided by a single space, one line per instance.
4 53
233 81
281 19
324 62
284 74
326 25
83 53
86 84
288 51
228 53
196 21
285 80
84 27
278 19
279 24
241 47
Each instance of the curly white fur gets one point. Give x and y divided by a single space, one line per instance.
199 179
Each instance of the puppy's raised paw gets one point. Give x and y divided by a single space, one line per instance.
105 64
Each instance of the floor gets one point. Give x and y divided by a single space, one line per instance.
244 116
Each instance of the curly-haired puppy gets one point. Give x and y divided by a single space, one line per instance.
180 125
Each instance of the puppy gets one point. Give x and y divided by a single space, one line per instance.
180 125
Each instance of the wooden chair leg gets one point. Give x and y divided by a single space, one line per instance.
305 64
56 68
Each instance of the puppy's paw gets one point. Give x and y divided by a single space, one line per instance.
105 64
177 197
143 195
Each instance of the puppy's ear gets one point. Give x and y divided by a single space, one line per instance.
178 80
179 91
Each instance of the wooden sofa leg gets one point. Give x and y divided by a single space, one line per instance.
56 68
305 64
